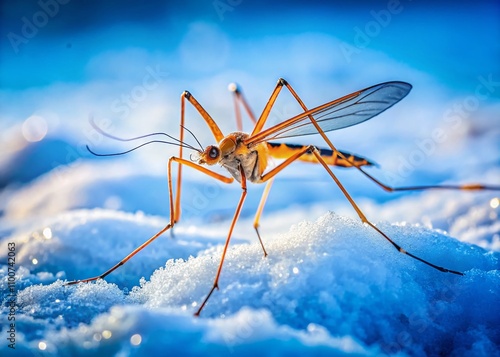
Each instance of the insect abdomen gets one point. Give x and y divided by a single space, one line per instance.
285 150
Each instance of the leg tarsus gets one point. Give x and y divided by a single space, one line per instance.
444 270
260 209
465 187
260 239
403 251
124 260
272 173
198 312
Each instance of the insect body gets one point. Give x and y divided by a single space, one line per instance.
234 155
341 158
246 156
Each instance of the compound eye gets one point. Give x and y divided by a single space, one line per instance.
213 153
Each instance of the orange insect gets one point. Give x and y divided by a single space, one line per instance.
246 156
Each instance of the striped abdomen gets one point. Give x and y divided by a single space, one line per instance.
284 150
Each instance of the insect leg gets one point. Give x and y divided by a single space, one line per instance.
217 133
336 152
363 218
281 82
240 98
354 205
124 260
267 109
259 212
180 161
172 215
233 223
468 187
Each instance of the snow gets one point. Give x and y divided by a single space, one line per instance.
330 285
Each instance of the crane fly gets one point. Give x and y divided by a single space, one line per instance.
246 155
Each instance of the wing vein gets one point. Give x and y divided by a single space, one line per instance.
349 110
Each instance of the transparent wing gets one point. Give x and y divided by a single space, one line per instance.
350 110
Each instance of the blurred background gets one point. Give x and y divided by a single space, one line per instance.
125 63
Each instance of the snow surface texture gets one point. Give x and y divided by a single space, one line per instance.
328 287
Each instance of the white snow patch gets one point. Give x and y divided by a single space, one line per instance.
332 287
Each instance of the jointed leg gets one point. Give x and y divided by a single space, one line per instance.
259 212
258 126
267 109
172 215
233 223
200 168
217 133
356 208
240 98
265 114
385 187
466 187
177 214
363 218
124 260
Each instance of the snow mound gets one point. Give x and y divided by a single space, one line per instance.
332 287
343 276
85 243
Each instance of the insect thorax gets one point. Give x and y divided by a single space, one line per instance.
252 159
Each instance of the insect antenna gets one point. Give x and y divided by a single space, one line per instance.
195 138
175 140
139 146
